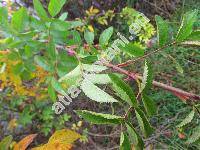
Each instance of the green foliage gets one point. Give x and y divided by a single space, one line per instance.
95 93
195 135
163 31
133 49
187 120
55 6
40 10
149 105
186 25
105 36
123 90
55 48
5 143
99 118
124 142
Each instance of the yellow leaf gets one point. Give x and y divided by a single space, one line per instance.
91 29
64 136
12 124
25 142
54 146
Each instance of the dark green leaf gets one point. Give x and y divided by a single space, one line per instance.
143 122
99 118
123 90
186 25
149 105
134 137
162 31
133 49
195 36
124 142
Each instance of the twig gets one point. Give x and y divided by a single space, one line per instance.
146 55
174 90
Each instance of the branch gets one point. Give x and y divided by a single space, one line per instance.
148 54
176 91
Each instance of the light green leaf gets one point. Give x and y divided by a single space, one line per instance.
57 86
187 120
98 78
40 10
123 90
19 19
105 36
42 63
162 31
143 122
195 135
147 77
149 105
63 17
133 49
52 93
94 68
134 137
5 143
191 43
95 93
124 142
72 76
55 6
186 25
89 37
99 118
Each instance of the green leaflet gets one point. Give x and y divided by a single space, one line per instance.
99 78
134 137
40 10
143 122
186 25
124 142
95 93
149 105
89 37
5 143
55 6
19 19
133 49
195 135
123 90
187 120
76 74
162 31
195 36
105 36
52 93
99 118
42 63
147 77
3 16
57 86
